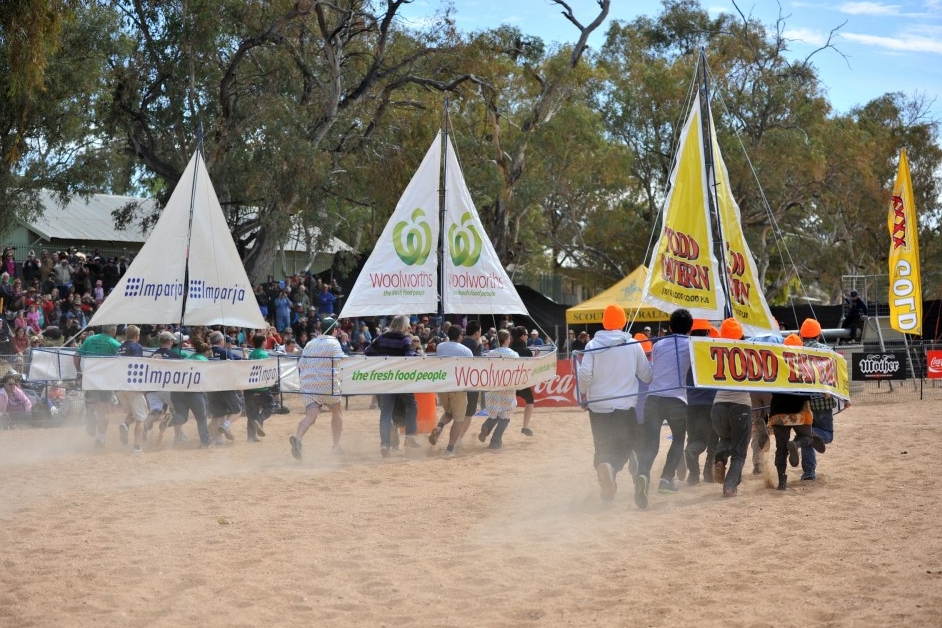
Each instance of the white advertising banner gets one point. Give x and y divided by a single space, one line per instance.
378 375
158 374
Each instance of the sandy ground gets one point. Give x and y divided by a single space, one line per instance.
244 535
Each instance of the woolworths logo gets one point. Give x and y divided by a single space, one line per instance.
413 239
465 242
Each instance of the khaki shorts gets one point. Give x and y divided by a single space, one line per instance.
321 400
134 403
454 403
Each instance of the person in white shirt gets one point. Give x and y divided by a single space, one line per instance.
608 378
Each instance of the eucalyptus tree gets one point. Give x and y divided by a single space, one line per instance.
279 88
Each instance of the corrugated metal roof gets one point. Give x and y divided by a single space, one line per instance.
90 219
86 218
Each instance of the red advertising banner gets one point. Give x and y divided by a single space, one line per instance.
558 392
933 361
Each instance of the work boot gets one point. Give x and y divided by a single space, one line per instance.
782 481
496 441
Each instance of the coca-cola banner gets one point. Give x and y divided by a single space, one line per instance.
879 365
934 363
557 392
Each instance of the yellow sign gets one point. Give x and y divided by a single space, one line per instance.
767 367
905 284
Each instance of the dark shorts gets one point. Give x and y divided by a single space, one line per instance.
526 394
223 403
100 396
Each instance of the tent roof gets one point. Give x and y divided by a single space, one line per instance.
626 293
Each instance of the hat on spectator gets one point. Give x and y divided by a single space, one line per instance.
327 323
180 338
810 328
614 317
164 336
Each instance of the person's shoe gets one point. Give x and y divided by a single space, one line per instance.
136 449
782 482
225 431
252 439
258 428
526 431
384 451
295 447
808 478
482 435
337 450
166 421
818 445
436 432
180 438
692 480
411 442
641 491
449 452
793 453
757 469
668 487
606 481
123 433
730 491
494 446
719 471
99 443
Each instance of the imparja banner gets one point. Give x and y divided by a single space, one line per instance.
158 374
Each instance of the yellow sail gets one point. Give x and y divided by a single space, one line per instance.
905 286
684 272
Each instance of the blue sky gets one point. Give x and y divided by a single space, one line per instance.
889 46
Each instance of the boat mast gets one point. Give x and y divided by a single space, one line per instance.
189 228
441 217
706 118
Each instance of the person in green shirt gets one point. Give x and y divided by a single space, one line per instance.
97 402
259 402
195 402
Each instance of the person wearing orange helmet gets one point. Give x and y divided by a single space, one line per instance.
667 401
822 409
732 420
700 433
608 376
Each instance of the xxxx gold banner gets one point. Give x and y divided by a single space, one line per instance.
684 272
767 367
905 284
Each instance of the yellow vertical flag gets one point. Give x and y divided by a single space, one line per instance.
905 296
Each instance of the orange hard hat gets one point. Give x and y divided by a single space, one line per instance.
810 328
643 340
792 340
731 329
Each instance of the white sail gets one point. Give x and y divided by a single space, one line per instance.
213 281
475 280
400 276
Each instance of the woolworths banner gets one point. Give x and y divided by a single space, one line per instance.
758 367
377 375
